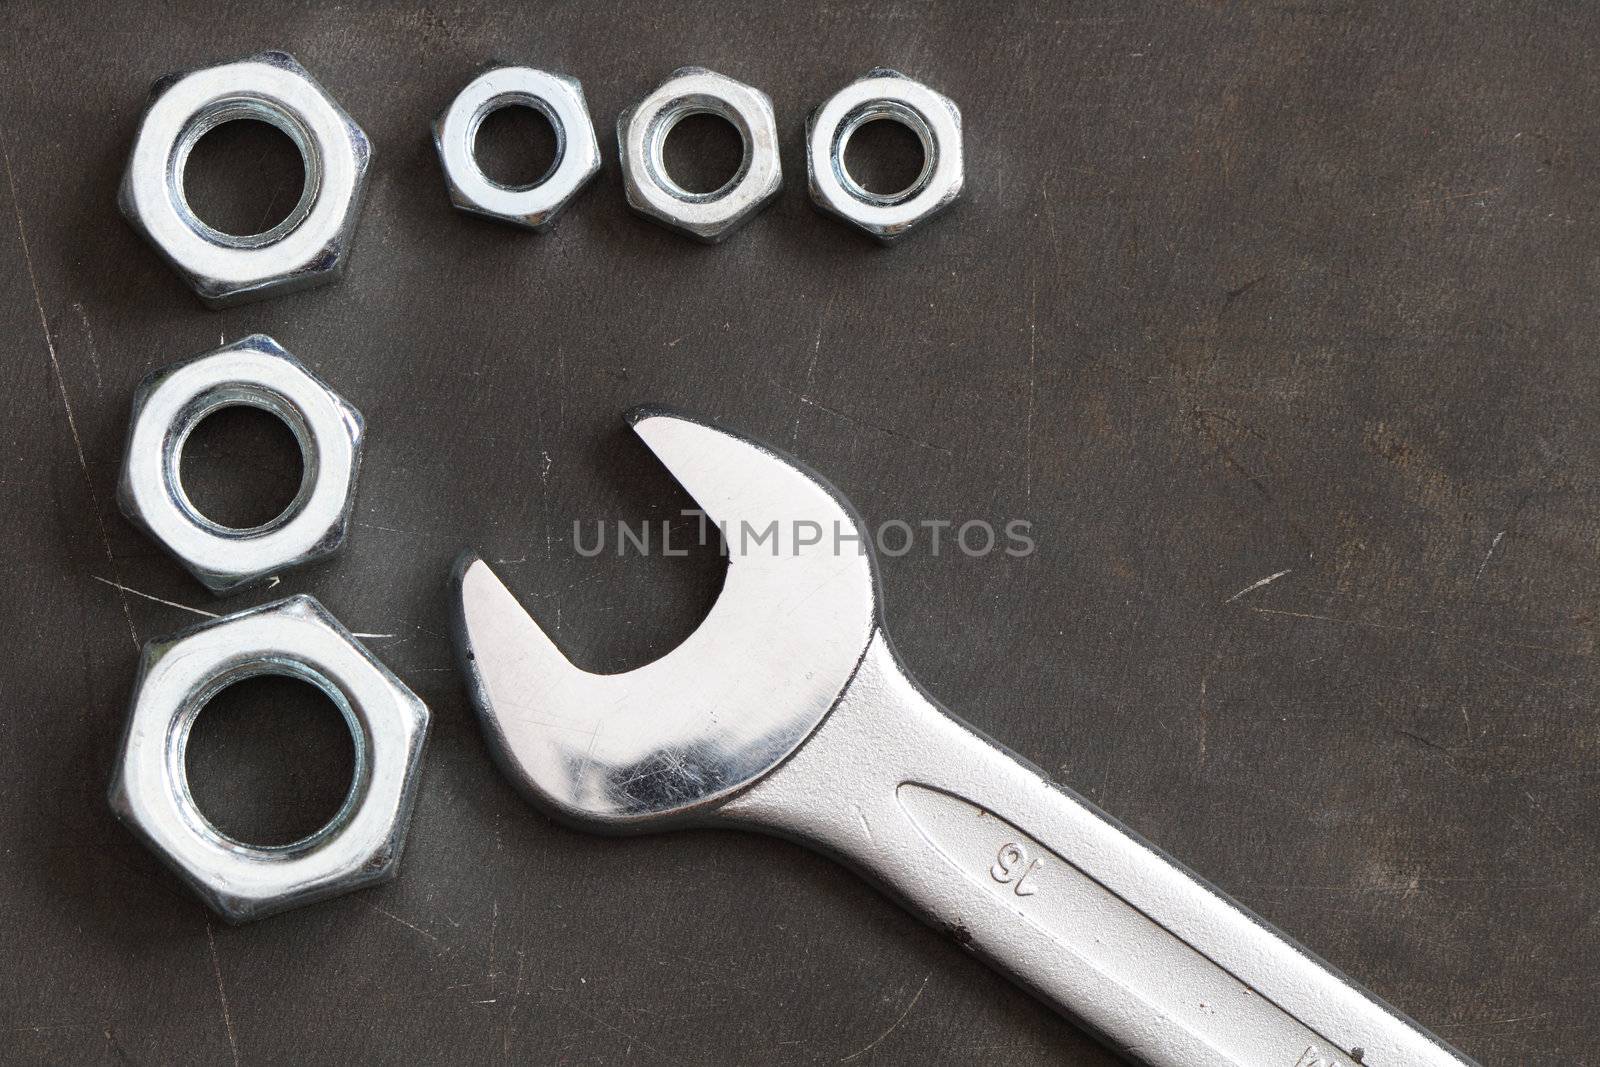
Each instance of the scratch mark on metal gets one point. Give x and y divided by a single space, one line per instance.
1033 352
119 587
893 1026
61 382
1489 554
392 917
1253 586
811 370
88 337
222 994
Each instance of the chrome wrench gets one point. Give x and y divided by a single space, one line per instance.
788 712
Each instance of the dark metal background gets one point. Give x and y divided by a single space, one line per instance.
1234 290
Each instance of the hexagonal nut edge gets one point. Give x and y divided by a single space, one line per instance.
758 199
278 275
371 866
886 235
247 567
584 143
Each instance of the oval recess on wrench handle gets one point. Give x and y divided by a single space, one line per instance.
1052 896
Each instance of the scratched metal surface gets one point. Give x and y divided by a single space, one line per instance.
1291 290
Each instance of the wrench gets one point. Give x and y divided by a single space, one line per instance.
787 711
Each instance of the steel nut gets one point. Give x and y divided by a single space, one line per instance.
642 133
885 94
296 638
560 100
254 372
307 248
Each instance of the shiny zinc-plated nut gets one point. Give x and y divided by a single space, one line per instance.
254 372
885 94
560 100
642 133
295 638
309 246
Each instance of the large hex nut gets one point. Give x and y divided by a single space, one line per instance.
560 100
307 248
254 372
885 94
296 638
642 133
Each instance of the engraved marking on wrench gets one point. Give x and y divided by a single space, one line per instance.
1057 897
1013 866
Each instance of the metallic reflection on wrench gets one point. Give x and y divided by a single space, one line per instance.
787 711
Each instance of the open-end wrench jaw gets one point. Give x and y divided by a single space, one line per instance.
663 743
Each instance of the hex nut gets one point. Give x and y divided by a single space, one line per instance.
642 133
307 248
560 100
297 638
885 94
253 372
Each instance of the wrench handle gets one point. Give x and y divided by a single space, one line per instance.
1033 878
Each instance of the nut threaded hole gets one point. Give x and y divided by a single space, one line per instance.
244 177
241 467
270 760
885 157
702 153
516 145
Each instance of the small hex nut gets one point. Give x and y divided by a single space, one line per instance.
253 372
560 100
388 724
884 94
307 248
642 133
